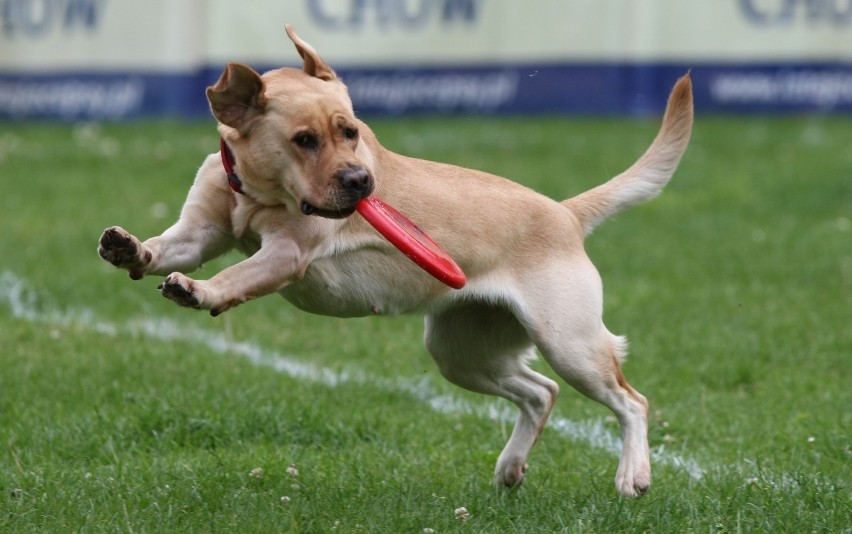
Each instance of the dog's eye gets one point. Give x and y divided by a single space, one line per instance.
306 140
350 133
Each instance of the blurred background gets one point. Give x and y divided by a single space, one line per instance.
116 59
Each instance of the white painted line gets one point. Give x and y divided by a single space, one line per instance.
25 303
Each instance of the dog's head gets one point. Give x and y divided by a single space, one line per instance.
294 135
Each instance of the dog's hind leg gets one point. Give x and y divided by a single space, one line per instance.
592 368
571 336
484 348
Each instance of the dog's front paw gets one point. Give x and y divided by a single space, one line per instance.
181 290
124 250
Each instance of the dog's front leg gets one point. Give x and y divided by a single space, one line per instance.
202 232
183 247
274 266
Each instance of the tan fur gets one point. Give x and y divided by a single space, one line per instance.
304 157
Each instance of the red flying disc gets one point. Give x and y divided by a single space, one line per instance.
402 233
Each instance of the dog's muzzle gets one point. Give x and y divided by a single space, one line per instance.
353 184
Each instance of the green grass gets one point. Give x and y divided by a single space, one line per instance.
735 288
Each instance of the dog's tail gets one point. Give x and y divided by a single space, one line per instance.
646 178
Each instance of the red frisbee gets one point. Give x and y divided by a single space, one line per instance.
402 233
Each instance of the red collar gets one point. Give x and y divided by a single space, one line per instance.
228 162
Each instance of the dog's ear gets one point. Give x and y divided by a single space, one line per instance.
238 97
314 65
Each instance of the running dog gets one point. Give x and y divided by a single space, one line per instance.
301 160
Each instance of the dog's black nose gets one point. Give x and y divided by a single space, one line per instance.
356 178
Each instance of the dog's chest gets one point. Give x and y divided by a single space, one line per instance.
363 282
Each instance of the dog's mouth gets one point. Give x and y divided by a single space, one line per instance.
339 213
340 203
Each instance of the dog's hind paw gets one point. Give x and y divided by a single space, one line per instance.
633 485
124 250
179 289
510 475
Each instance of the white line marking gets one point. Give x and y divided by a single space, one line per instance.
25 303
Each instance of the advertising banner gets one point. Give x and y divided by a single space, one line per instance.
114 59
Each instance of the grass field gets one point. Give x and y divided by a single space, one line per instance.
120 412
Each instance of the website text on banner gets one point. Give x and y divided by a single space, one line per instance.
112 59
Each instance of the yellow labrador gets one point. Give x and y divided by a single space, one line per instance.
302 160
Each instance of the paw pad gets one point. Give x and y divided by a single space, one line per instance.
174 290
